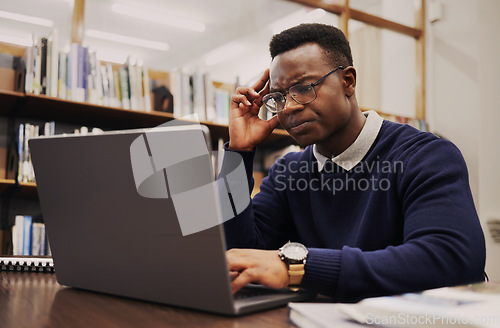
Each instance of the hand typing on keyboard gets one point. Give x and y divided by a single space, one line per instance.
257 266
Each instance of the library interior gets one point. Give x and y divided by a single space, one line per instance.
91 67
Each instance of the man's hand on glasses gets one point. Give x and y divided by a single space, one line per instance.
246 128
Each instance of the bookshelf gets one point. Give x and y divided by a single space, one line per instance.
27 106
18 106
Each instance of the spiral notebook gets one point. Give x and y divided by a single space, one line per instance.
26 264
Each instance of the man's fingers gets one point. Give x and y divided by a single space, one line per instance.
242 280
233 275
240 99
253 94
250 93
273 122
246 97
265 90
236 260
261 83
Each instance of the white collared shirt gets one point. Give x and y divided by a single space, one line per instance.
351 157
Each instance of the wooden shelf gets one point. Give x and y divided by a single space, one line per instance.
27 190
10 100
88 114
6 184
28 106
110 118
22 189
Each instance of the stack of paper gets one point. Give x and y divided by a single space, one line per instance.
474 305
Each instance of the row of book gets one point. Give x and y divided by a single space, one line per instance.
196 93
79 75
29 238
26 131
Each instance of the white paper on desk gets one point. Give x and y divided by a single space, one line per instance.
319 315
443 307
464 306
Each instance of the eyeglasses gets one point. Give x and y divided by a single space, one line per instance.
303 93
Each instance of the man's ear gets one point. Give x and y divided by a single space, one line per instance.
349 81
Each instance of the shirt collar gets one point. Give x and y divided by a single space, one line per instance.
350 157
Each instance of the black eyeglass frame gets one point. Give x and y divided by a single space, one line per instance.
288 91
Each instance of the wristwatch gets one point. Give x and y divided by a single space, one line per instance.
294 255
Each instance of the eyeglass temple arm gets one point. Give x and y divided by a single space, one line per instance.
327 75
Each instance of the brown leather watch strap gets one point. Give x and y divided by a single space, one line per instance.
295 272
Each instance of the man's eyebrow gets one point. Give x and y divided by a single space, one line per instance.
291 84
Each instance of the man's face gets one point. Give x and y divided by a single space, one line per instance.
320 120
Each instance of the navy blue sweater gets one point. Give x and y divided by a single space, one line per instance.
401 220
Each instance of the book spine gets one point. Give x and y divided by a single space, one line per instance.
43 240
198 87
209 98
28 132
186 90
176 90
37 68
17 235
48 79
123 71
52 128
98 80
20 152
27 235
61 88
14 241
73 72
28 80
86 72
46 129
139 86
132 83
54 60
111 86
91 79
81 74
43 67
222 106
118 92
35 239
105 85
147 90
25 164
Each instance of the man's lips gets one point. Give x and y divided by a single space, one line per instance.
298 127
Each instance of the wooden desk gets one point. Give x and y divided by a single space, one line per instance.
37 300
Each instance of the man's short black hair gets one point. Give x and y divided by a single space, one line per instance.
329 38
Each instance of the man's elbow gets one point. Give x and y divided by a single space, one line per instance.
472 265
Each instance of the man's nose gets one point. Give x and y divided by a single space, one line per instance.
291 105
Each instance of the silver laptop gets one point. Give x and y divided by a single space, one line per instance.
123 222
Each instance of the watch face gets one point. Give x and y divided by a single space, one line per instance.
295 251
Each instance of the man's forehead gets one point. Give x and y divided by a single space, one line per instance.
282 79
298 63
